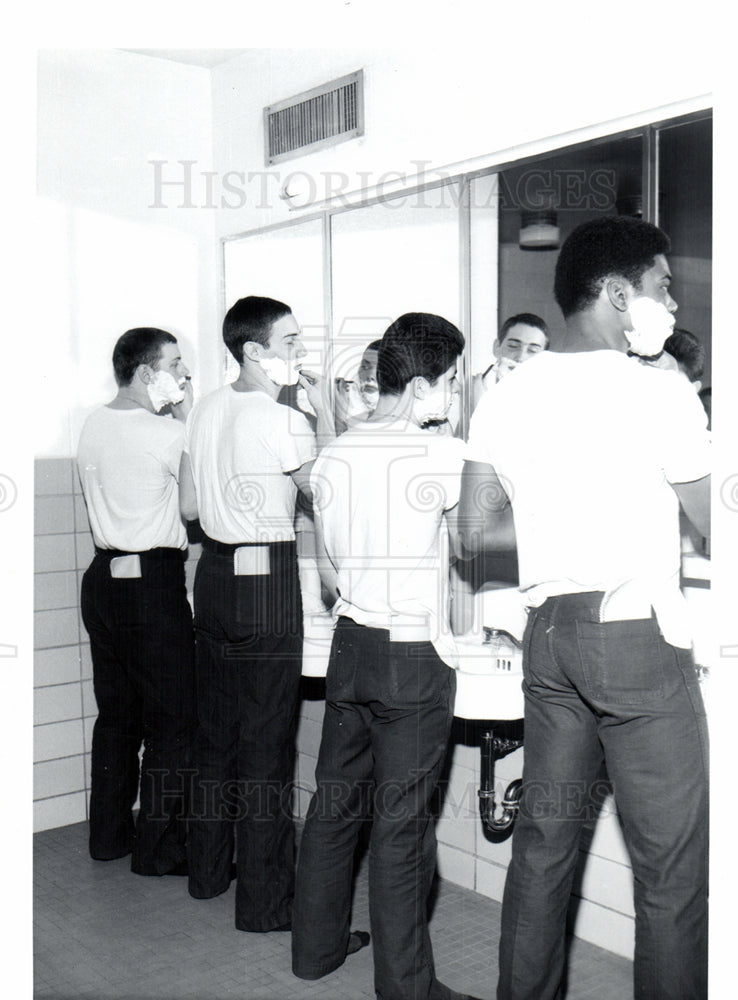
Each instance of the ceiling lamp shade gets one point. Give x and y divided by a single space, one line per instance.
539 230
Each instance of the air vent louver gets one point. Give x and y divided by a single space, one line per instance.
320 117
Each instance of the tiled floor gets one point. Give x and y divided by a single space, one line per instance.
102 933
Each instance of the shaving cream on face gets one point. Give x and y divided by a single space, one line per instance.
280 371
651 324
164 389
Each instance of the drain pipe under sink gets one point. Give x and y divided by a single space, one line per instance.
494 748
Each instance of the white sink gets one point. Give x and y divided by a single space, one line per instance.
489 679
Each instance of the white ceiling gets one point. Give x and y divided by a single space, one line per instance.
206 58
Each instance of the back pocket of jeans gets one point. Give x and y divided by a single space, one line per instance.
622 661
416 675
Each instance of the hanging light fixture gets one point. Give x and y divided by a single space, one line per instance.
539 230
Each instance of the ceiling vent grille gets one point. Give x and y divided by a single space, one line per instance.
318 118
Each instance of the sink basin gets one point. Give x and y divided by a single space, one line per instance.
489 679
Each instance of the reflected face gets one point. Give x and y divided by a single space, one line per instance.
171 362
368 367
656 282
367 378
521 343
285 340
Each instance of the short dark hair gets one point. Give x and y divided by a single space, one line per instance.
374 346
614 245
416 344
686 349
529 319
139 346
251 319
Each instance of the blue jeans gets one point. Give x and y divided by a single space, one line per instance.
389 707
613 691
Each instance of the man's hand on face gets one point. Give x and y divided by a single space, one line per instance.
314 385
503 366
181 410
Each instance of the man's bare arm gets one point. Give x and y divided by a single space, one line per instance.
485 514
187 495
301 479
327 570
319 397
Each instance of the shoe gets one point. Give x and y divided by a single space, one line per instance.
357 941
123 853
183 869
448 994
179 869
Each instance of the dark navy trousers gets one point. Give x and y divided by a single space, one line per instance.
248 666
142 647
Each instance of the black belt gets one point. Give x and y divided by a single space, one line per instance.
161 553
227 549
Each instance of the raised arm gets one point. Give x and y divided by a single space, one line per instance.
319 397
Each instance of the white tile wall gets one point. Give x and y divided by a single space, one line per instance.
456 866
56 666
62 666
490 879
608 882
54 552
58 777
57 703
55 590
53 477
61 810
56 628
605 928
58 739
53 515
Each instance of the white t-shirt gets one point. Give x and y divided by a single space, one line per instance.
243 447
128 465
586 446
380 494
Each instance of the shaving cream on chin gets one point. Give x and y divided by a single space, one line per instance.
280 372
652 323
164 389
